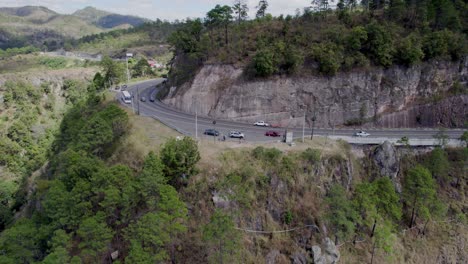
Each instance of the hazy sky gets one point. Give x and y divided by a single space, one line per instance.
152 9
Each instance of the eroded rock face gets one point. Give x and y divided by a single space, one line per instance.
387 162
327 253
220 91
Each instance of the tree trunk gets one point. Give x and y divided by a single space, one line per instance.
373 252
373 228
413 213
226 34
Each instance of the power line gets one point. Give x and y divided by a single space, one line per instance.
275 231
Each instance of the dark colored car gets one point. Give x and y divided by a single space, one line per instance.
124 86
211 132
143 99
272 134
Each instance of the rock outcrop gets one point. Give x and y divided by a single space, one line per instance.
394 97
326 254
386 160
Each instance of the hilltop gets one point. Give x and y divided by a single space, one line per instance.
40 26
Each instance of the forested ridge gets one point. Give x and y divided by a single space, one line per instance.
322 40
192 202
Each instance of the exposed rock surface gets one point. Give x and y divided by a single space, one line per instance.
386 159
299 258
395 97
326 254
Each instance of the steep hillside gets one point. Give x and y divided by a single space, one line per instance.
383 64
393 97
39 26
107 20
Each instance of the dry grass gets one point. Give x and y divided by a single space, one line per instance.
145 135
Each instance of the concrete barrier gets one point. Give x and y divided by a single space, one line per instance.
412 141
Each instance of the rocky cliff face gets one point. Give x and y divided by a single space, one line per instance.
394 97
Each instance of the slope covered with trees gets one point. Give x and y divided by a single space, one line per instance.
319 39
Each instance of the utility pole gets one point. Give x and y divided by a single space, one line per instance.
214 128
303 126
196 121
138 102
314 118
128 80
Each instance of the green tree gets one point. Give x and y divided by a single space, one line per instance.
261 9
58 255
95 237
220 16
151 179
241 10
410 50
438 164
222 238
329 57
419 193
357 38
142 68
464 138
20 242
380 44
114 72
179 158
264 62
341 213
98 81
383 239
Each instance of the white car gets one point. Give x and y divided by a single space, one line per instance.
261 123
361 134
236 134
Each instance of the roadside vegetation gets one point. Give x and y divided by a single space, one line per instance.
319 40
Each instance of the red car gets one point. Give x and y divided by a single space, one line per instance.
272 134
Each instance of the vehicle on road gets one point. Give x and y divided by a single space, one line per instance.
143 99
211 132
361 134
261 123
272 134
126 97
236 134
124 86
152 98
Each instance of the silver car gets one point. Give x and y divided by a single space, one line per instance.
236 134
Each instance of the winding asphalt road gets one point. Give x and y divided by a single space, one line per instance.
185 122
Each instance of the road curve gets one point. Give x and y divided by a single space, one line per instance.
185 122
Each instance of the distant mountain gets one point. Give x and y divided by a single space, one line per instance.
107 20
39 26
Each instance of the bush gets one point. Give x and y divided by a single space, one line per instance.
410 50
264 63
53 63
329 56
311 155
380 44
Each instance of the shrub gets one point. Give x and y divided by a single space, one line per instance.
410 50
311 155
380 44
329 57
264 63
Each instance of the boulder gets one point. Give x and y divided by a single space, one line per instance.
220 200
271 256
387 162
326 254
299 258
